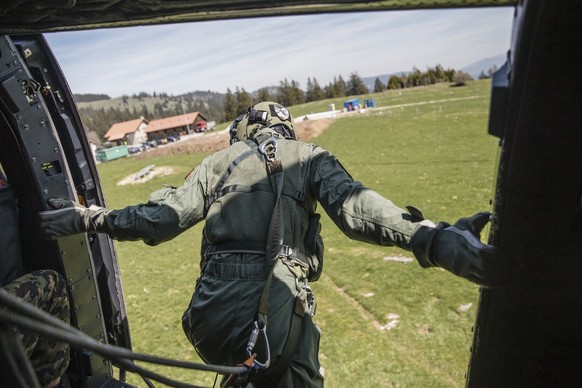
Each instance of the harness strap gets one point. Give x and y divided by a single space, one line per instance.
276 227
295 194
275 372
221 191
274 249
224 178
257 247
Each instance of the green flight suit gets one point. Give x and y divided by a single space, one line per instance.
219 319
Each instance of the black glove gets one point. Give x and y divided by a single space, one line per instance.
68 218
457 249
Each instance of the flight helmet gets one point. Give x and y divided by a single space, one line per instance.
264 114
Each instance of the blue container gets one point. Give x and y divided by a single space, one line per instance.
351 105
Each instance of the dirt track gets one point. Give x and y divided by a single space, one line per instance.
211 142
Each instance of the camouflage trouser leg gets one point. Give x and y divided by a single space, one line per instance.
47 290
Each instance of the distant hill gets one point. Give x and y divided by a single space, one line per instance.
156 104
484 65
90 97
473 69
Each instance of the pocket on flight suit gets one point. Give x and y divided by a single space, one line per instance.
281 305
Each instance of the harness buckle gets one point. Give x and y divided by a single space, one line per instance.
286 251
311 302
268 149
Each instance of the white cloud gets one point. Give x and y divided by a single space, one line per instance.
252 53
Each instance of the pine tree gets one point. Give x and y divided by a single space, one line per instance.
144 112
340 87
297 95
378 86
243 100
429 78
328 90
158 110
284 95
414 78
356 86
230 106
440 73
318 93
264 95
395 82
309 91
449 75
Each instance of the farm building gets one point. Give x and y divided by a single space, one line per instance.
176 125
132 132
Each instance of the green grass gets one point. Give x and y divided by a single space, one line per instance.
426 151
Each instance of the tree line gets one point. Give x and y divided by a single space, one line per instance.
290 93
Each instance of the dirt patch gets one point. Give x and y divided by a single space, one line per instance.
308 129
212 142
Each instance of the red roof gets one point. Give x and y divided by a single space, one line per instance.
174 122
119 130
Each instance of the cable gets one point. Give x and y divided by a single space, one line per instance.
147 381
87 341
77 340
37 320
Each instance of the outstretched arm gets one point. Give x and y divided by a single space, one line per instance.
167 213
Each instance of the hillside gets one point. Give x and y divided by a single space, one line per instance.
99 114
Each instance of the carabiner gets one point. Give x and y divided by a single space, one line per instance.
310 302
253 342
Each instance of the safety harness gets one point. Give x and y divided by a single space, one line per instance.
271 373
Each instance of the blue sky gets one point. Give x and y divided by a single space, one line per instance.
253 53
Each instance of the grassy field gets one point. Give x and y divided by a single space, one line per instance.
385 323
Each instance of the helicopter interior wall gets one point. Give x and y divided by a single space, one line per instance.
37 253
528 334
44 153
